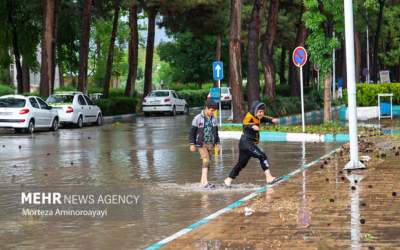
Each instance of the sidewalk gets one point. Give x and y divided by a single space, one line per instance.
322 207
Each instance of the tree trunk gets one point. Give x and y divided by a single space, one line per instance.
133 50
110 57
152 13
218 48
282 63
47 47
344 66
235 63
17 54
54 44
61 74
253 76
26 87
375 57
98 52
327 97
84 45
357 48
294 73
306 73
267 49
218 52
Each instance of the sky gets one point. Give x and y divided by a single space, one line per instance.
160 34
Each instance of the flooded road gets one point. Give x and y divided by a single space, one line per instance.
151 153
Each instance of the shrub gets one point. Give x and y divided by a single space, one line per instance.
117 105
65 88
194 98
284 90
6 90
188 86
284 106
367 94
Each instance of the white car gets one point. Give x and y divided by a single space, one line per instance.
75 108
25 114
226 96
160 101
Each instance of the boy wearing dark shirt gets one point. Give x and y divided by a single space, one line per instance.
248 143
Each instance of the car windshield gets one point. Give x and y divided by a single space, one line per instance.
159 94
60 99
12 103
224 90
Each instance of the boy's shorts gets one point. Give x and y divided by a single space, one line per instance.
205 154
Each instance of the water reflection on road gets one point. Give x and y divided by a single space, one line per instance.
152 153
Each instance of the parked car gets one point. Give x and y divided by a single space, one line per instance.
226 97
75 108
161 101
95 96
26 114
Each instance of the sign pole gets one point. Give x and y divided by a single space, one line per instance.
302 100
299 59
218 75
351 86
220 108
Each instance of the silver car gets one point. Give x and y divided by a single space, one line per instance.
26 113
75 108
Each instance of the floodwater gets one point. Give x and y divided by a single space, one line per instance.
150 153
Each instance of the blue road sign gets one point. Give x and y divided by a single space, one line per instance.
299 56
215 94
218 70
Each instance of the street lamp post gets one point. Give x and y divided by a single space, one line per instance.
368 75
351 86
333 70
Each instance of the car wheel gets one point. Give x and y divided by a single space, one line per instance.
99 120
79 123
173 112
54 127
18 130
31 127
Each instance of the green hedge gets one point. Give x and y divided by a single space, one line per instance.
6 90
284 106
117 105
94 89
194 98
367 94
188 86
324 128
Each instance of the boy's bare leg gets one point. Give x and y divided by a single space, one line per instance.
269 178
204 175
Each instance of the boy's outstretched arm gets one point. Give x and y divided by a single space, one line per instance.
269 119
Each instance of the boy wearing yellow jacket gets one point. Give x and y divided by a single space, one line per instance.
248 143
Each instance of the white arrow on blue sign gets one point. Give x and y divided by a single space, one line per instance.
218 70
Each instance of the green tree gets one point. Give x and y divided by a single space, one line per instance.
20 19
189 57
320 18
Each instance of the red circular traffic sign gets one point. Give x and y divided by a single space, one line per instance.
299 56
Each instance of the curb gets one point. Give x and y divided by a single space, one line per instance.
291 137
310 117
119 118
